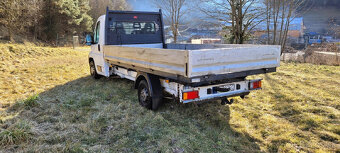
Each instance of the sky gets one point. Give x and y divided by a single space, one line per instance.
142 5
146 5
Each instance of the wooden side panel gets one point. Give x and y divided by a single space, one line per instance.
164 60
229 60
193 61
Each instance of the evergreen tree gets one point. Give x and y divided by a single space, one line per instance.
98 7
49 19
67 17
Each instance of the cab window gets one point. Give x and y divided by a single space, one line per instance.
134 28
96 33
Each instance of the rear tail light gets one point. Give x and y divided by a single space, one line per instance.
255 85
190 95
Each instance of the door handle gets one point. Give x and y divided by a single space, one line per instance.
98 47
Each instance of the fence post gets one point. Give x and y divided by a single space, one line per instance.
75 42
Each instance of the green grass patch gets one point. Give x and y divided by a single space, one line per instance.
73 148
79 104
32 101
18 133
28 103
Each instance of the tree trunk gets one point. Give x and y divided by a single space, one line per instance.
56 41
10 34
175 33
240 17
241 39
282 20
268 20
175 37
35 33
276 16
234 23
287 26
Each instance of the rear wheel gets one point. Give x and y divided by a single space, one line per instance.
144 95
93 70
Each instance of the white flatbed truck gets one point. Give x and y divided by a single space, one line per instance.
131 45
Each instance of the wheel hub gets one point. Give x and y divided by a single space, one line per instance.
144 94
92 70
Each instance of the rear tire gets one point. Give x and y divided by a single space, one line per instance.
93 70
144 95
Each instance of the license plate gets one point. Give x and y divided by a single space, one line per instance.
231 87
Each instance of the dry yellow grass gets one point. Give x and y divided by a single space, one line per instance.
27 69
50 104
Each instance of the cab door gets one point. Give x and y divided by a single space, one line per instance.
97 48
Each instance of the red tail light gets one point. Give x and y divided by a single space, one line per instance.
190 95
255 85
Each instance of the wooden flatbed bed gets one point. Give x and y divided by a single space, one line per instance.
185 62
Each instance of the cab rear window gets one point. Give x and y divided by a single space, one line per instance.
134 28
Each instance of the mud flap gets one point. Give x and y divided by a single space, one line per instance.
157 91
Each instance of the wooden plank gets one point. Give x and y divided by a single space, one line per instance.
166 60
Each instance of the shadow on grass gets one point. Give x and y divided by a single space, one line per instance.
104 115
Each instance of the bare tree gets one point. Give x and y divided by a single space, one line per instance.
239 16
174 10
286 11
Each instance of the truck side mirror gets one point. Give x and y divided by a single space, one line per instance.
88 39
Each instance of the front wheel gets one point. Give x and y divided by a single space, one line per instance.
144 95
93 70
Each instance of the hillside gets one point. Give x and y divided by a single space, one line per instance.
49 103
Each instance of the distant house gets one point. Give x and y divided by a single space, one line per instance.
186 35
322 18
295 30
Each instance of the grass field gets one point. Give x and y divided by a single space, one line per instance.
50 104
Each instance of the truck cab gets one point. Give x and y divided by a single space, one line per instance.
125 28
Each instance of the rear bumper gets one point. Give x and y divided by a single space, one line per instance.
212 92
225 77
219 96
